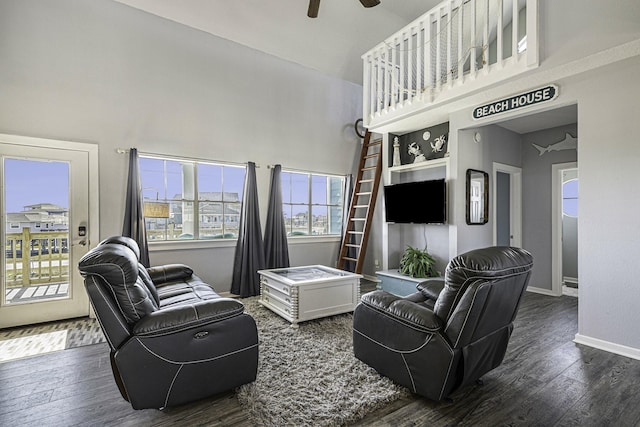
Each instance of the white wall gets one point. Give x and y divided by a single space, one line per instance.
105 73
496 145
608 226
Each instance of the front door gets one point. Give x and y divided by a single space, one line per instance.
45 230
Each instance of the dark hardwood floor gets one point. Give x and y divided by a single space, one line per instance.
545 380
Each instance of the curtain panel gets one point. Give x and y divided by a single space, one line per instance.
133 224
275 235
249 255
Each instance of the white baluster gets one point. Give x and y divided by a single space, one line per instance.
514 31
460 58
449 43
420 38
474 47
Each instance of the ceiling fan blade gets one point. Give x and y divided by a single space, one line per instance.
370 3
314 5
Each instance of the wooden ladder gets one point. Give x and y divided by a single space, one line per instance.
363 202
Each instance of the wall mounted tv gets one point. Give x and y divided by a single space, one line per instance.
420 202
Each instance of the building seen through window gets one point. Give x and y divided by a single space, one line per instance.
190 200
312 203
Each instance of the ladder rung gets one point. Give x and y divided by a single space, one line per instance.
374 143
371 156
369 168
351 245
360 206
366 180
366 193
358 219
355 232
349 258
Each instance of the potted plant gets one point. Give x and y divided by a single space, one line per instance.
418 263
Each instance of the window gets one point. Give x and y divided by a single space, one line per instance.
312 203
175 190
570 198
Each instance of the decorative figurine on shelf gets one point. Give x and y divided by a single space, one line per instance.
396 152
438 144
415 150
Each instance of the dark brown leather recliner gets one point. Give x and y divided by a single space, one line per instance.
173 339
450 332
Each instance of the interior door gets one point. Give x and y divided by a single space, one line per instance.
45 227
507 205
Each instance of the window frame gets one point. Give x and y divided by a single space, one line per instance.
309 205
196 241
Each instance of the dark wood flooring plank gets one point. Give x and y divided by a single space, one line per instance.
544 380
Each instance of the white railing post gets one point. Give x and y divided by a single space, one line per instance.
387 77
532 33
366 90
485 41
379 77
499 34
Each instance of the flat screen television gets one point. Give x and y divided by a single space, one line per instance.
420 202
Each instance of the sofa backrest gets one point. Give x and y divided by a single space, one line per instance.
482 292
115 265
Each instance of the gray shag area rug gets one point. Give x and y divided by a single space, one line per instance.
309 375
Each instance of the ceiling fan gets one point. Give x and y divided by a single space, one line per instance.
314 5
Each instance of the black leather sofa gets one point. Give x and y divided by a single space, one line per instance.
450 332
173 339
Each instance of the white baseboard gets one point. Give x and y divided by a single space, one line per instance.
571 292
542 291
622 350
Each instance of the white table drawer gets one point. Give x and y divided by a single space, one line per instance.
274 302
275 292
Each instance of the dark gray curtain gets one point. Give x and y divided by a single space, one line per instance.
347 196
249 257
133 225
276 249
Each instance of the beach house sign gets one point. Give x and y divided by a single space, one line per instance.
537 96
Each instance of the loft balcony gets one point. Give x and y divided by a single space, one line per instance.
458 48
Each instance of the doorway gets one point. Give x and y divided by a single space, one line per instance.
46 202
564 238
507 205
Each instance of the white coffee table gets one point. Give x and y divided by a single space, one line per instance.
309 292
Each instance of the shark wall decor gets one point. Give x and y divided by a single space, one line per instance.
568 143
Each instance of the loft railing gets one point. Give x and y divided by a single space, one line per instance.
457 44
36 258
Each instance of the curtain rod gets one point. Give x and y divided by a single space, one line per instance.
306 171
191 159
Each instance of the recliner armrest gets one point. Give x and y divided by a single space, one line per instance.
169 273
174 319
403 310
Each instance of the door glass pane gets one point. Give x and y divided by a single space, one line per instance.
36 256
